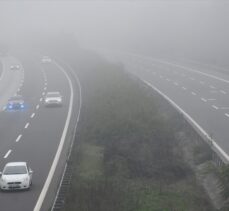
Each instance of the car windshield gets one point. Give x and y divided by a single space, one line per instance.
53 95
15 98
15 170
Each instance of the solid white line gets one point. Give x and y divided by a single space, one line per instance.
193 93
37 106
215 107
59 150
18 138
223 92
7 154
205 135
226 114
33 114
193 70
27 125
203 99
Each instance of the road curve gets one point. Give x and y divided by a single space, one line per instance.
35 134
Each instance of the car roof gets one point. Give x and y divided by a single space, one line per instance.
16 164
53 92
17 97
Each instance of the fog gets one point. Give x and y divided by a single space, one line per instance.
189 29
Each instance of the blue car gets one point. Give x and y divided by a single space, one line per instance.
16 103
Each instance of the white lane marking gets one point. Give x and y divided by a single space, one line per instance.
212 87
43 93
45 88
37 106
193 70
18 90
223 92
193 93
215 107
33 114
226 114
27 125
41 99
184 88
204 134
167 79
8 153
60 147
203 99
211 99
46 83
193 79
175 83
18 138
224 108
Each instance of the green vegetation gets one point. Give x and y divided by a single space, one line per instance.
126 156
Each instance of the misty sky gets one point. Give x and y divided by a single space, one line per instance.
144 26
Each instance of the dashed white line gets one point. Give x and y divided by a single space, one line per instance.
203 99
43 93
37 106
45 88
27 125
193 79
226 114
175 83
7 154
215 107
223 92
212 87
184 88
41 99
18 138
167 79
33 114
193 93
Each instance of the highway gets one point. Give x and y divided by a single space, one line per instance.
34 133
200 92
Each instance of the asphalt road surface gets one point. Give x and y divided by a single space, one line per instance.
34 133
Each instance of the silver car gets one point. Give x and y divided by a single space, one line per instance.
53 99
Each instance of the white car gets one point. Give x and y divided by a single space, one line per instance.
46 59
53 99
16 175
15 67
